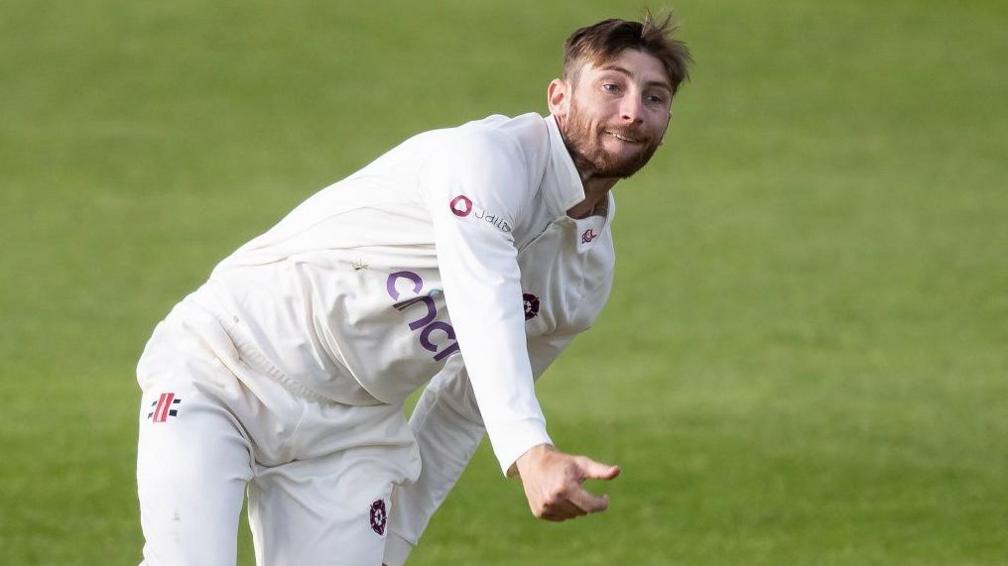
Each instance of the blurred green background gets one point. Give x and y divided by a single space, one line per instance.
805 357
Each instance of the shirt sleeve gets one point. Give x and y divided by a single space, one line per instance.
448 427
475 188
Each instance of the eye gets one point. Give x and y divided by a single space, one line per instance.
656 99
611 88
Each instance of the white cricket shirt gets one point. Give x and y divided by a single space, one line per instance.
455 243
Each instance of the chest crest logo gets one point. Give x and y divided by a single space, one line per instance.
531 305
588 236
378 516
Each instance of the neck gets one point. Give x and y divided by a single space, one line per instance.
596 191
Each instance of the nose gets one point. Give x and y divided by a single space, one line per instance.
631 108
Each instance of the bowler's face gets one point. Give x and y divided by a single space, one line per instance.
614 116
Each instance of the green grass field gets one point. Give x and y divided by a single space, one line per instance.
805 357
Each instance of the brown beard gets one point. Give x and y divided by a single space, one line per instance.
585 147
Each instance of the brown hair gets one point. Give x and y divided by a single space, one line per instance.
602 42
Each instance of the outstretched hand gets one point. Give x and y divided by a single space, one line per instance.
552 482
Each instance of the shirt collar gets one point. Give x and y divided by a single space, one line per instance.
563 188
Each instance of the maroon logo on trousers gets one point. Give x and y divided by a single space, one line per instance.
461 205
531 305
588 236
378 516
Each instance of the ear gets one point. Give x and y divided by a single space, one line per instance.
558 97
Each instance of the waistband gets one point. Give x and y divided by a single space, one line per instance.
255 359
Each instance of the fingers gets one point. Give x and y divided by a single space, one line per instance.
553 484
592 470
562 510
576 504
587 502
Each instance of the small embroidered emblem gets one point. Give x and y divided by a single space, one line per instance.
378 516
531 305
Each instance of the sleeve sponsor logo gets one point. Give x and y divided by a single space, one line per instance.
427 324
462 206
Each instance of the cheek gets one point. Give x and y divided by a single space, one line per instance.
660 132
660 122
598 109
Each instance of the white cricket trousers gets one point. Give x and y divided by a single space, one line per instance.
318 474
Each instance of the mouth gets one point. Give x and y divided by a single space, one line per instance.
623 137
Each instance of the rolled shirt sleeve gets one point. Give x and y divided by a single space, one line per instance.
475 193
